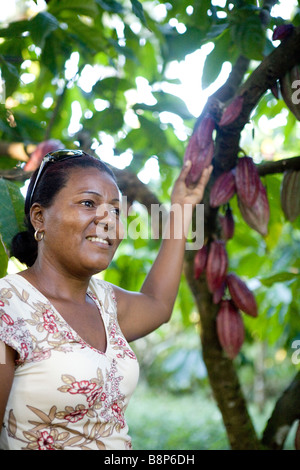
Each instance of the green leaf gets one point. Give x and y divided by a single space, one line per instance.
3 260
108 87
138 10
10 75
176 46
88 36
279 277
214 61
249 37
111 120
41 26
15 29
11 210
167 102
78 7
156 136
110 5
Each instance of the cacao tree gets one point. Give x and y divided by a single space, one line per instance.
47 52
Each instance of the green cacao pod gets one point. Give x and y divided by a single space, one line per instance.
290 194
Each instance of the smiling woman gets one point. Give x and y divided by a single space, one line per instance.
66 332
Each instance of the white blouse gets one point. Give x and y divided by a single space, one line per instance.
66 395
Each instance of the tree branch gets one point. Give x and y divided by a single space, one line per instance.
279 166
272 68
286 411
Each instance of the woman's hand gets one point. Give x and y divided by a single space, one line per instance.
182 194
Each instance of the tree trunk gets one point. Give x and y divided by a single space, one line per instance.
221 372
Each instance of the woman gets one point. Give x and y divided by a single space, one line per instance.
69 370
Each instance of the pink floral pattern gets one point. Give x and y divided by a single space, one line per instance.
87 391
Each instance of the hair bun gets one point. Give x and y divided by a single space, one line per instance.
24 248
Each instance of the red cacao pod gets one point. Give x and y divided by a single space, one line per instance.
227 224
241 295
290 194
282 31
289 84
230 328
258 215
223 189
275 90
200 149
204 131
246 180
218 293
217 264
200 160
41 150
232 112
200 261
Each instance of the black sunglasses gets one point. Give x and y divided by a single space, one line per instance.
56 156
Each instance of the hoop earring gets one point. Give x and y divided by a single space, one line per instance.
37 237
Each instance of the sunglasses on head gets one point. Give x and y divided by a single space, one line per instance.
56 156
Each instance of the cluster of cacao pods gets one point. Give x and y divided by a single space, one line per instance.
253 202
230 325
290 194
229 291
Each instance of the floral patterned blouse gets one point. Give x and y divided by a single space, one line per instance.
66 395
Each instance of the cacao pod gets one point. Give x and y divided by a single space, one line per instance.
223 189
217 264
241 295
41 150
200 159
258 215
290 194
200 261
282 31
218 293
227 224
275 90
230 328
204 131
288 84
232 112
246 180
297 437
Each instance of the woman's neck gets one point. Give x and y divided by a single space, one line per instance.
56 283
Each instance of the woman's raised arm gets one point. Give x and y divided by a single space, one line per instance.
140 313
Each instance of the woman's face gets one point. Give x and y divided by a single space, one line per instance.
82 226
